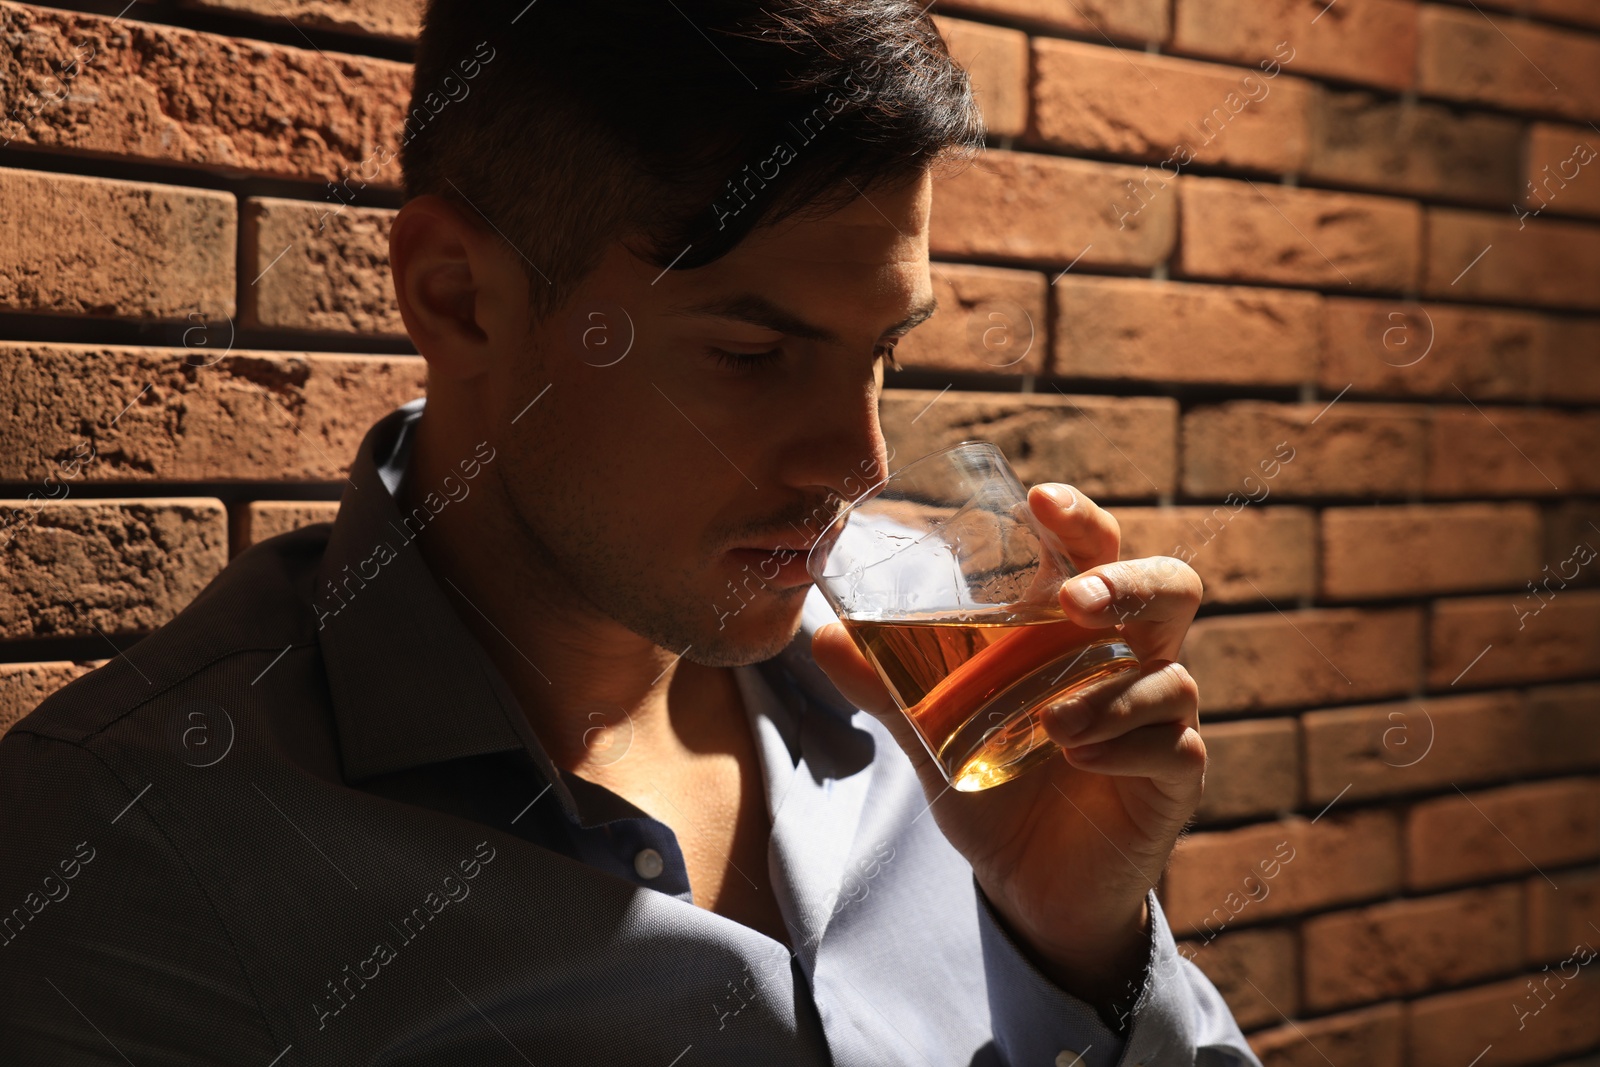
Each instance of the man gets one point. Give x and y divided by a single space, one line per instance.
492 770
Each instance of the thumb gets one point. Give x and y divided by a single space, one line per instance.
850 672
856 678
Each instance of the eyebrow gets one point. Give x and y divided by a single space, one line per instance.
757 310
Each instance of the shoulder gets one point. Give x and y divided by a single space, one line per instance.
116 757
260 603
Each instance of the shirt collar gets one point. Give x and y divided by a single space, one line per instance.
410 683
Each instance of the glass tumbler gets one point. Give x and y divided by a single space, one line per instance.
950 587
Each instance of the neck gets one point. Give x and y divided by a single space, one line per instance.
592 690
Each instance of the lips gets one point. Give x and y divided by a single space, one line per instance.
781 542
781 566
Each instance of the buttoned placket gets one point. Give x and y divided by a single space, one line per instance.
611 834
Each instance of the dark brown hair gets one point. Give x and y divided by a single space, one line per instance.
677 126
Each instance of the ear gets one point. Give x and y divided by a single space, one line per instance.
447 272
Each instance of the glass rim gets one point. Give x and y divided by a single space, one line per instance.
873 490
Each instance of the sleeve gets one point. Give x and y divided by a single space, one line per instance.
1178 1018
110 953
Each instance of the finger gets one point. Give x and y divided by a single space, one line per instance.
1088 533
1169 754
1161 692
1153 599
849 670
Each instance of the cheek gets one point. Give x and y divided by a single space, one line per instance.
624 474
654 461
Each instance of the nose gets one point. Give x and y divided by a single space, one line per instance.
844 453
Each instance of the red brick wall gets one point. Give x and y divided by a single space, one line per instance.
1310 292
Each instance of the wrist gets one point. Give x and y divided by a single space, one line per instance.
1107 974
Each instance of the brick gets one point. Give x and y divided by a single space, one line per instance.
1253 769
261 519
1223 879
1515 829
1500 451
1571 365
1562 640
1250 231
1248 967
1173 111
1581 12
396 19
1571 532
1416 549
1559 174
1396 348
163 94
58 255
1256 450
1372 1037
261 416
1560 918
1565 731
1406 146
1054 208
991 320
1451 1029
996 59
317 268
1545 262
1128 20
24 685
1506 63
1241 557
1392 749
1133 329
1403 947
1371 42
93 567
1111 448
1268 660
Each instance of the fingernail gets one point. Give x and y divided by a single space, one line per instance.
1089 594
1063 497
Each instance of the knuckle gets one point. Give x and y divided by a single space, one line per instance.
1123 574
1187 689
1123 705
1113 528
1165 575
1129 581
1182 579
1129 588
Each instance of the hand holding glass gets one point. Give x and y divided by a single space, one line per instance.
950 587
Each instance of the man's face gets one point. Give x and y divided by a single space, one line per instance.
653 471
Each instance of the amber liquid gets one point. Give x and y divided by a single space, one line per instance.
974 687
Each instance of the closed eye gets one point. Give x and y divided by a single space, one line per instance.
745 361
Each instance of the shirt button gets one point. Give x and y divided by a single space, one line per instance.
1068 1058
648 863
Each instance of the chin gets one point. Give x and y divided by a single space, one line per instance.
756 632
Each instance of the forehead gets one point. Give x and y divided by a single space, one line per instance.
883 225
875 247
